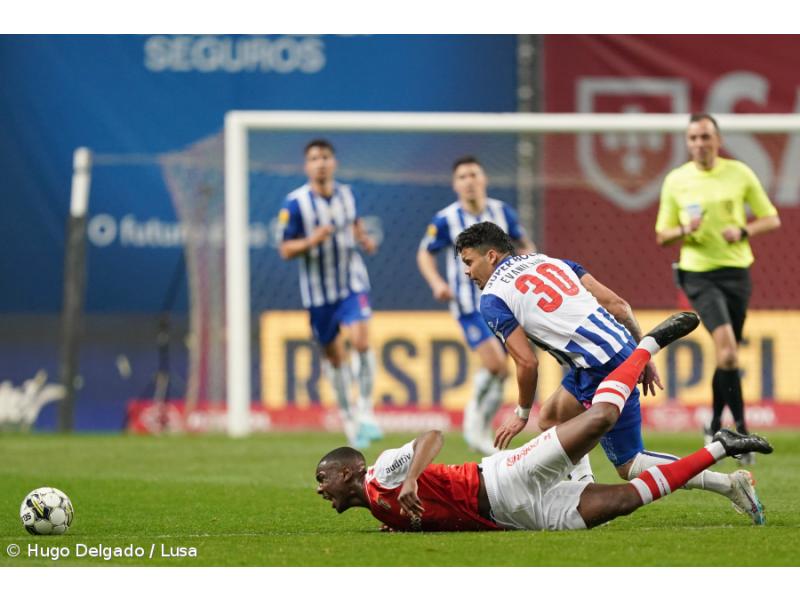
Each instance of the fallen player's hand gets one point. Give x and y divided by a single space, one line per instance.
507 431
408 499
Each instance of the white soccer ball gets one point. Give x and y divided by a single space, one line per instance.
46 511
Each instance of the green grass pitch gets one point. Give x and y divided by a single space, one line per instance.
253 502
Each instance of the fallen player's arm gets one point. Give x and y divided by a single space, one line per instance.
527 365
426 448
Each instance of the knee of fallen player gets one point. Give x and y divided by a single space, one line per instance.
624 471
601 417
624 499
602 503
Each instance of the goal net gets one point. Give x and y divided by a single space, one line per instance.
585 186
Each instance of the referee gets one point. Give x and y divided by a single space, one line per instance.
703 206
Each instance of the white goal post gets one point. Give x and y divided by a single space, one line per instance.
238 125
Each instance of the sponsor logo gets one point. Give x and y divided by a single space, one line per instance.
526 449
229 54
172 416
398 462
629 167
103 230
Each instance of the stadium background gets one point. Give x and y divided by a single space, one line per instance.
132 99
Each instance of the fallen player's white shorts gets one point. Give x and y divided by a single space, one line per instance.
526 486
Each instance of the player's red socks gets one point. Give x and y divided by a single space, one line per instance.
616 388
660 480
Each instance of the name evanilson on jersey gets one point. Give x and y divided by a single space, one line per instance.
510 269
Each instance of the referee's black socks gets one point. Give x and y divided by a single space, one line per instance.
727 389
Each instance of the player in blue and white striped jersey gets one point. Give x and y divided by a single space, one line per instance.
321 227
472 206
557 305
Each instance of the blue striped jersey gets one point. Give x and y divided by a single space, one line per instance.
444 229
545 297
334 269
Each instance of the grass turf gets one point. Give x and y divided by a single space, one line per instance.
252 502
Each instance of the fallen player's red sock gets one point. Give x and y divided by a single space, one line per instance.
660 480
616 388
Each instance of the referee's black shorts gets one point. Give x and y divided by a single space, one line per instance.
719 296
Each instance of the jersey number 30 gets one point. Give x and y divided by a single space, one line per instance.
551 298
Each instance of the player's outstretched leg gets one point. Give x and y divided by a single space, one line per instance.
738 486
673 328
601 503
582 433
743 494
616 388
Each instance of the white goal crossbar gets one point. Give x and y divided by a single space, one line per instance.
239 123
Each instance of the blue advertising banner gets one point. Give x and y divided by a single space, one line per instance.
137 96
130 99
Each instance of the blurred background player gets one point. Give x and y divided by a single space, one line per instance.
521 488
472 206
321 227
560 307
703 206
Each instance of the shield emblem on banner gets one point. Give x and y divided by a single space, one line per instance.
628 168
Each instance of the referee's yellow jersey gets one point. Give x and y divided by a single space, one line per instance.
720 195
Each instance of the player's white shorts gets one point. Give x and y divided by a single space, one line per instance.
526 486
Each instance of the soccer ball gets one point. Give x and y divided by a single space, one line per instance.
46 511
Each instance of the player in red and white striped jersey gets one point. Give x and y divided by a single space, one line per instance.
522 488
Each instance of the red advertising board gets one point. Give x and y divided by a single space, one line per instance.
147 417
601 191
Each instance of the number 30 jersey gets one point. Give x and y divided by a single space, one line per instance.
545 297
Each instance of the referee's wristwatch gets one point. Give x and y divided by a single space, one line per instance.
522 413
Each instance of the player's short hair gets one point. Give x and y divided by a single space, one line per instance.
319 143
469 159
483 237
695 117
344 456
